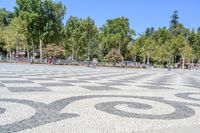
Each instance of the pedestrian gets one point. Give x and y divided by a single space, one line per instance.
54 60
126 63
49 61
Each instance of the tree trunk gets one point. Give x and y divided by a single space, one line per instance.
76 53
28 55
144 60
148 58
7 54
134 60
41 52
10 55
33 49
73 53
183 64
174 59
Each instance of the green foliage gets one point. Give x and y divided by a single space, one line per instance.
177 28
5 17
73 36
116 33
198 30
162 54
15 34
44 18
133 50
1 39
149 32
90 38
196 46
81 38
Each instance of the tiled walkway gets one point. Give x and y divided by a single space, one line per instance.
69 99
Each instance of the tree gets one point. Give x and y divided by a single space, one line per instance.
182 47
73 36
177 28
90 36
116 33
44 19
133 50
139 44
161 36
5 19
81 37
114 56
148 48
196 46
162 54
174 20
15 36
192 39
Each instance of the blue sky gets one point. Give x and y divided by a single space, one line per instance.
141 13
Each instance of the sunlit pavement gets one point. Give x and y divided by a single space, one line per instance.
62 99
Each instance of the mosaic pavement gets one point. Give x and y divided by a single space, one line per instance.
62 99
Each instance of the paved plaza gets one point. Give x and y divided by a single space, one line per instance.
72 99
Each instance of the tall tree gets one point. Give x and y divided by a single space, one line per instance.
116 33
162 54
196 47
182 47
133 50
177 28
15 35
148 48
174 20
90 37
161 36
74 33
5 19
81 37
44 19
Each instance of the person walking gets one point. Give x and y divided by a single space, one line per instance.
54 60
49 61
126 64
